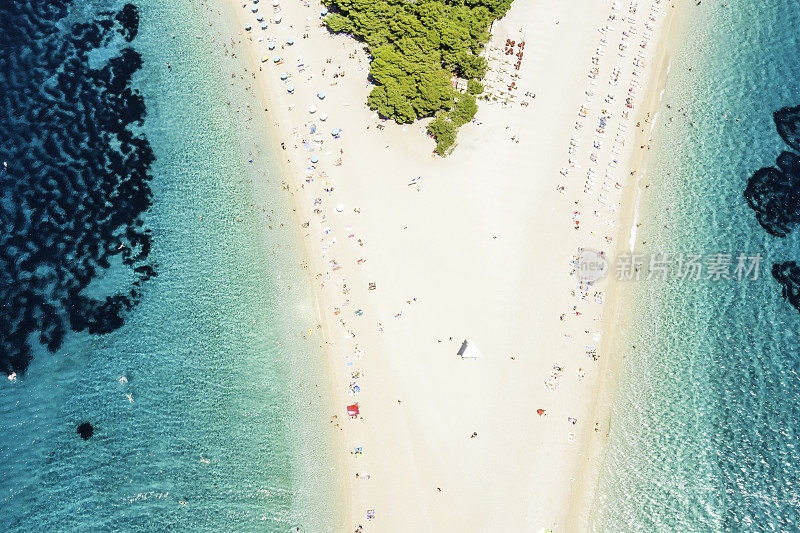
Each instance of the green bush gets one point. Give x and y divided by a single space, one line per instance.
444 131
464 110
416 48
474 87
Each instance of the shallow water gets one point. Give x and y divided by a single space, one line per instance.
209 323
705 424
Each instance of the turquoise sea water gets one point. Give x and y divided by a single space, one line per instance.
705 427
213 352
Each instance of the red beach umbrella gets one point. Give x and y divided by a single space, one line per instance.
352 410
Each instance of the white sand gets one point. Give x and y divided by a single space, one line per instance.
479 248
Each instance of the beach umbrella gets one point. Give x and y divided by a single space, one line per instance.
323 12
312 109
323 117
284 75
264 26
276 3
318 138
540 412
277 60
260 18
321 95
278 19
290 41
314 159
247 27
339 208
264 59
255 1
254 10
271 45
290 88
336 132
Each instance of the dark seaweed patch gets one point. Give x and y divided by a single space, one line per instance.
774 192
77 181
787 120
788 275
129 18
85 430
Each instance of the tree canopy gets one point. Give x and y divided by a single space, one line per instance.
416 47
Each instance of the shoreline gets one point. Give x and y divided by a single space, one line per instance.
404 430
616 322
268 99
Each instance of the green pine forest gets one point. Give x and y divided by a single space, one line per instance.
416 46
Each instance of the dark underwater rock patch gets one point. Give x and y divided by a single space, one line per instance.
788 275
77 182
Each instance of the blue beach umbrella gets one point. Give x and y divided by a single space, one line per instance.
290 88
336 132
271 45
314 159
321 95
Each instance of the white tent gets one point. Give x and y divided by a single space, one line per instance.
469 351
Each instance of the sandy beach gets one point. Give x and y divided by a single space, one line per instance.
411 254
